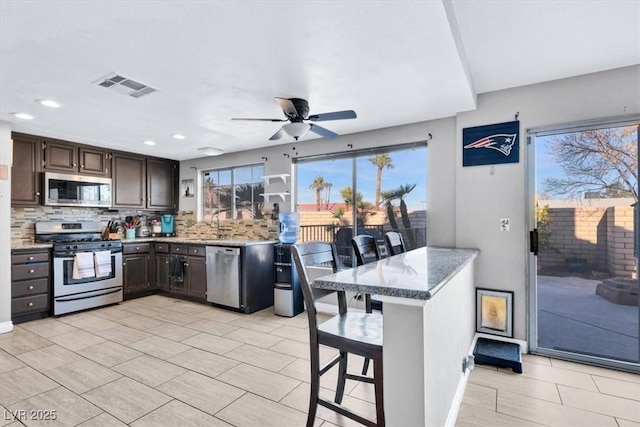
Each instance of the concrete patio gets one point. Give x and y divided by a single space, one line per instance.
571 317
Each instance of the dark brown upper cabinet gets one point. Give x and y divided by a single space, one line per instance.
129 174
161 180
62 156
25 179
141 183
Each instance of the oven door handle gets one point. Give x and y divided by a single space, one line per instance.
93 294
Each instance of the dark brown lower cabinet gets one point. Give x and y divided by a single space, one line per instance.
163 282
30 284
196 276
135 268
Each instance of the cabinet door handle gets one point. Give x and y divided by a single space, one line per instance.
30 288
30 304
30 258
32 271
81 166
137 248
186 264
74 165
37 193
124 263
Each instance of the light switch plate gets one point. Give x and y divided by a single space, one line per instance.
505 224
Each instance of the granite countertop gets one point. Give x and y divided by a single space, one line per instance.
17 245
195 241
417 274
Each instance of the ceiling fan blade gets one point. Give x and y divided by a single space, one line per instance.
277 135
325 133
260 120
288 107
337 115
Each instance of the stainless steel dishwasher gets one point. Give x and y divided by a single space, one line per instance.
223 276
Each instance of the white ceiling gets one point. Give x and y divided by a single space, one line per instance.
393 62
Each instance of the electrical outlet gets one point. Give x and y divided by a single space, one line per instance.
505 224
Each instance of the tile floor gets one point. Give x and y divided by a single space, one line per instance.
158 361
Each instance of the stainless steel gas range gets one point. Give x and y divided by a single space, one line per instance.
87 269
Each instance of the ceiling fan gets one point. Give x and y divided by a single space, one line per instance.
297 112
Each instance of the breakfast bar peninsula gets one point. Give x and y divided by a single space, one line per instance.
428 297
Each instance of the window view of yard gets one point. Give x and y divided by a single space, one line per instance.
233 193
586 214
389 194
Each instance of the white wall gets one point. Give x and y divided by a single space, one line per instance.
482 199
465 204
5 229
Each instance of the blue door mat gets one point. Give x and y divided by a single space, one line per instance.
498 353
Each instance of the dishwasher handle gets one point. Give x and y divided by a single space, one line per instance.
223 250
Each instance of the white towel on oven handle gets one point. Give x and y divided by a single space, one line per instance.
83 265
102 261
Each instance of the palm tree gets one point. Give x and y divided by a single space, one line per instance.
400 193
387 198
319 184
328 187
382 161
347 197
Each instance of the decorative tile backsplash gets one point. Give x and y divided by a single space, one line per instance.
240 229
23 219
186 224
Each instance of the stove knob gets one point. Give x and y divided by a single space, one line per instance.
75 246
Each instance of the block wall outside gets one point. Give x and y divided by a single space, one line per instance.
602 236
620 233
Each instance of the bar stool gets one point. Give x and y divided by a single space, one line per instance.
366 249
356 333
395 243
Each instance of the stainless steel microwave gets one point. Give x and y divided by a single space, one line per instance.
61 189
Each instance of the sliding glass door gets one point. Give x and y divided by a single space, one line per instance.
368 192
584 277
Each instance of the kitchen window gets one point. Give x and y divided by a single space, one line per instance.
233 193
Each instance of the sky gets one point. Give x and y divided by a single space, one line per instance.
409 168
546 164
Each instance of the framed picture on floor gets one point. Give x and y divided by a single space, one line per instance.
494 312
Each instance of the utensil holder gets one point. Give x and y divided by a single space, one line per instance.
130 233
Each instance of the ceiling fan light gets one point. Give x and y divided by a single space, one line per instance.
296 129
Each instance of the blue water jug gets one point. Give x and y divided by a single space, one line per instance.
289 227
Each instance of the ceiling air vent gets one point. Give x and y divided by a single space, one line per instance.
125 85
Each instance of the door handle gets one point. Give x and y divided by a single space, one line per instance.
533 241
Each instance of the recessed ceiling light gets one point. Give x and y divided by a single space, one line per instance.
210 151
178 136
49 103
149 142
23 116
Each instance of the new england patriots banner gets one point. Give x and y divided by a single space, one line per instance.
491 144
